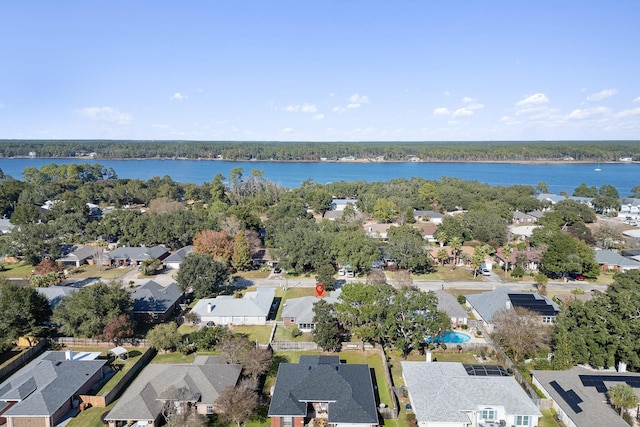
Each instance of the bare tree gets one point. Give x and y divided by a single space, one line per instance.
521 332
376 277
179 408
403 279
256 362
235 348
237 404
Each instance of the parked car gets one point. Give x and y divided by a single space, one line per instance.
486 272
277 270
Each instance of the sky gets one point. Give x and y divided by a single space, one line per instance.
311 70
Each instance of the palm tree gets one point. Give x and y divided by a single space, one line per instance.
622 397
455 244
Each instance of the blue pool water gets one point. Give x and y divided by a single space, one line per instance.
451 337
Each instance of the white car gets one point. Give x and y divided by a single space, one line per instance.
486 272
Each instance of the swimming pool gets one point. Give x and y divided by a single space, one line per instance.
451 337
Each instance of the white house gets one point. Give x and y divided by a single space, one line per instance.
448 394
253 309
629 207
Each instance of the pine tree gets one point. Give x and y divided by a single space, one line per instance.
326 332
241 258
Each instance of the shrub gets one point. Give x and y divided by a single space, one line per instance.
462 299
295 332
517 272
411 420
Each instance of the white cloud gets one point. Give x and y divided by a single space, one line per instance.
353 105
475 106
628 113
339 109
158 126
580 114
467 100
318 117
358 99
178 96
104 114
535 99
306 108
441 111
462 112
531 110
603 94
637 99
287 130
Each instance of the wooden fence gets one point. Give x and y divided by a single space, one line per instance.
91 342
24 358
292 345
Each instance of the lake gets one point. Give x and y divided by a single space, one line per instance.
558 176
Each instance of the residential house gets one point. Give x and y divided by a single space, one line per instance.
450 394
450 305
555 198
427 231
174 260
519 231
629 208
45 390
579 394
299 311
321 391
461 259
486 304
197 385
252 309
55 294
341 204
136 255
155 303
431 216
378 231
82 254
531 258
523 218
613 261
5 226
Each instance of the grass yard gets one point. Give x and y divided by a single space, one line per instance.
125 365
260 333
283 333
90 417
186 329
446 273
105 273
16 270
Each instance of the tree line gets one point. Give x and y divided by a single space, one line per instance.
315 151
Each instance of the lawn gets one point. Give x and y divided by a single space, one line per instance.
186 329
283 333
16 270
125 365
445 273
90 417
259 333
106 273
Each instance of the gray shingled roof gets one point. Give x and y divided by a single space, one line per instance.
347 388
579 399
47 383
489 303
613 258
450 305
136 253
441 391
152 297
55 294
179 255
139 402
302 308
253 304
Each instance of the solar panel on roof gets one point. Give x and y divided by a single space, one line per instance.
569 396
530 302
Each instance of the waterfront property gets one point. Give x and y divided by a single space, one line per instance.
321 391
448 394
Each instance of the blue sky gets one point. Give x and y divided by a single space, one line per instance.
347 70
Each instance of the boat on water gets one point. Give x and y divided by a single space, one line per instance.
597 169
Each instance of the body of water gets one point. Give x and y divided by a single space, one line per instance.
558 176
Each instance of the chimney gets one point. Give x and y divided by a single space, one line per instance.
209 307
622 366
68 354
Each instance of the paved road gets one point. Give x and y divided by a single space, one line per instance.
487 285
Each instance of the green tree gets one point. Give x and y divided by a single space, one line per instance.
86 312
326 331
385 210
118 330
623 397
241 258
325 274
202 276
583 191
407 245
23 312
565 255
205 339
164 337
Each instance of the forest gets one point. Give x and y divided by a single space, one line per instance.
592 151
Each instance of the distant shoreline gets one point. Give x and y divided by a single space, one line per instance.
524 162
